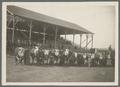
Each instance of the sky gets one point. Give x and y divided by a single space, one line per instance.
97 18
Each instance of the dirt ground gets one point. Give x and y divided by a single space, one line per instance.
32 73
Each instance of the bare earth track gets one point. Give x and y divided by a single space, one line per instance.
31 73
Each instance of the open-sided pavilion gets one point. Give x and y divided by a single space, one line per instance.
42 25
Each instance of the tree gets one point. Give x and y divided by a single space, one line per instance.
110 48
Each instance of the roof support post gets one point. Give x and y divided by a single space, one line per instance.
92 41
86 40
44 30
65 38
13 31
56 30
80 40
30 33
73 39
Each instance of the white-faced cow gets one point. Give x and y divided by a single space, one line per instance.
19 54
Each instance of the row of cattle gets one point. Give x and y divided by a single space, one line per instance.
38 56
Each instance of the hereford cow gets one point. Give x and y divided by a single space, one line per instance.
34 54
56 57
19 54
66 56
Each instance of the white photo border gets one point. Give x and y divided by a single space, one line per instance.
115 83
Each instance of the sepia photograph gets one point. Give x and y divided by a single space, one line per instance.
60 43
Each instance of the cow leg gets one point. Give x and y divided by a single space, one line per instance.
16 60
21 60
35 60
30 59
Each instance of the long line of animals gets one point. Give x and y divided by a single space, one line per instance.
38 56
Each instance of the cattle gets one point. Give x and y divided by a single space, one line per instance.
66 56
93 59
61 56
109 60
80 59
46 56
85 59
96 59
51 57
40 57
19 54
37 55
56 57
34 54
71 59
101 60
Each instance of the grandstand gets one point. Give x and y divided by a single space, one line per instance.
30 28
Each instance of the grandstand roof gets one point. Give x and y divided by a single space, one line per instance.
47 19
